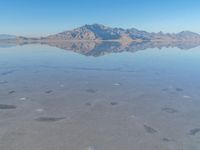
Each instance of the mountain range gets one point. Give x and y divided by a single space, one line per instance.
97 40
98 32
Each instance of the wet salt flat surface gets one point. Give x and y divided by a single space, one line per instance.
56 99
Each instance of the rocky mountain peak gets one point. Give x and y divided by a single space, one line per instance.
99 32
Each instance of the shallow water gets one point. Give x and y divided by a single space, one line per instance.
52 98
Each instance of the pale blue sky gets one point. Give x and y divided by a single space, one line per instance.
43 17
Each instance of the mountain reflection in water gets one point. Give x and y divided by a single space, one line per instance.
100 48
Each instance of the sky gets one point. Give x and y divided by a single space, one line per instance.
45 17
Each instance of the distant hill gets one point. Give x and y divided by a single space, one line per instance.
101 32
7 37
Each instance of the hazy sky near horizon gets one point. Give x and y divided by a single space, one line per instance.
43 17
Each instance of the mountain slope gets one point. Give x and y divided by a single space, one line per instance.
90 32
101 32
98 32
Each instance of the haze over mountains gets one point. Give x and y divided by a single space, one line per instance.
97 32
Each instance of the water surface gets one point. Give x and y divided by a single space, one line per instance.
88 97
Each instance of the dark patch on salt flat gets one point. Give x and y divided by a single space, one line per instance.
150 129
194 131
169 110
3 82
7 72
179 89
171 89
11 92
88 104
91 91
113 103
49 91
165 89
166 140
49 119
5 106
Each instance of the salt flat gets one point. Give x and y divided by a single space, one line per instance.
53 99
